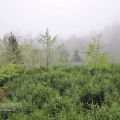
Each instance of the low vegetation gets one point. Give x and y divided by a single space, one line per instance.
53 89
63 93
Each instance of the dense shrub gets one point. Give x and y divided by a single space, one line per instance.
96 99
61 93
7 72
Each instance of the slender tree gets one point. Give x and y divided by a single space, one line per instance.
47 41
62 54
76 56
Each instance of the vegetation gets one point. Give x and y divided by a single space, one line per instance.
76 56
47 42
89 91
11 49
64 93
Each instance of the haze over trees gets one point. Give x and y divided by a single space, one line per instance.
70 71
47 42
76 57
48 51
45 80
10 49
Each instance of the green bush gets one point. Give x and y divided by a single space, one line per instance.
7 72
62 92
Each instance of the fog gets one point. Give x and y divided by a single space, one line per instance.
63 17
75 22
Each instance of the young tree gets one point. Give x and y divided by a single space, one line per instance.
95 54
2 54
13 53
47 41
76 56
62 54
31 55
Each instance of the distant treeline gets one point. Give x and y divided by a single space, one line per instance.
48 51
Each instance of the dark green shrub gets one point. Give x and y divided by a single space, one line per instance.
65 85
96 99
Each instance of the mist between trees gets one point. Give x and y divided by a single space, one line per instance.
48 51
43 80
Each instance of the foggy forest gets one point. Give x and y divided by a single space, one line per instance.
59 60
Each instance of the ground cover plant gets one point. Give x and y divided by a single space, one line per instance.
63 93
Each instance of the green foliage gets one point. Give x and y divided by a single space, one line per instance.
12 51
90 91
95 54
47 42
29 54
64 93
56 105
7 72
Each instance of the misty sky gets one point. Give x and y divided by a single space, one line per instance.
62 17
